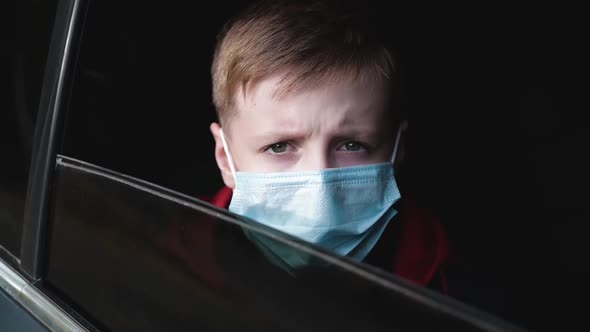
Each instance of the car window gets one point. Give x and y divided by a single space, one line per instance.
24 51
133 256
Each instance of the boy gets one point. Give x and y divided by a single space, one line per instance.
308 137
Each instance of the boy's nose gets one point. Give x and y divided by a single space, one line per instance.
317 160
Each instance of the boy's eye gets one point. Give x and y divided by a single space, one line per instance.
352 146
279 148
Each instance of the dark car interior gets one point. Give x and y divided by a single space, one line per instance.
496 144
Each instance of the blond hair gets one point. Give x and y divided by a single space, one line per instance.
308 42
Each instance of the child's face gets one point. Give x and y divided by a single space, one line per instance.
331 126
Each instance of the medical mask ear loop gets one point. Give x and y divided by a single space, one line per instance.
399 134
228 155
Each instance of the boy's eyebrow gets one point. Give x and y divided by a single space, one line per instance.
344 134
370 136
277 135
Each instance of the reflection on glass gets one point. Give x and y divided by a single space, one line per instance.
135 257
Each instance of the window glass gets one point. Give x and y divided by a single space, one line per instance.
135 257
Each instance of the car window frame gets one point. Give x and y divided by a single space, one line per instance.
21 277
59 66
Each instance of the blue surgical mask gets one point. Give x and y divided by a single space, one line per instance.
344 210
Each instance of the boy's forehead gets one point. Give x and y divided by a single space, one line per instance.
335 108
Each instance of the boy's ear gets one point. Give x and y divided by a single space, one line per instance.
401 149
221 157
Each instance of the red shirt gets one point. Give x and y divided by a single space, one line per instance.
420 255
